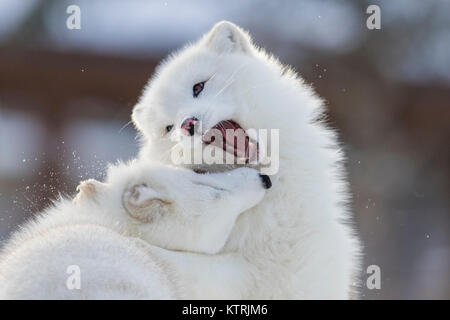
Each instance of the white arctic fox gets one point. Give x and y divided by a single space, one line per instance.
104 235
298 241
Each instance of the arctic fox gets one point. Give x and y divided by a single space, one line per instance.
298 242
105 234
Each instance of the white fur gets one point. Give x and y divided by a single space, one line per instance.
298 242
107 229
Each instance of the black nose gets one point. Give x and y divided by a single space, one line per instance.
266 181
188 126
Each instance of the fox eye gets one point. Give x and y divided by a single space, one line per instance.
169 128
197 88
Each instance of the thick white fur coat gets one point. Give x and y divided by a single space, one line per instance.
297 243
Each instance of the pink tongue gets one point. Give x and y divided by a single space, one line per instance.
230 136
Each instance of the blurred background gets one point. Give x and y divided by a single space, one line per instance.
66 97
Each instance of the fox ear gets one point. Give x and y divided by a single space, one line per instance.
136 115
143 203
228 37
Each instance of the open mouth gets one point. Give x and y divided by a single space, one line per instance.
232 138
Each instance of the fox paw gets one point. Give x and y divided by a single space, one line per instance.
87 190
